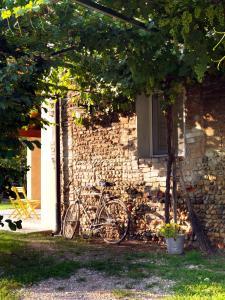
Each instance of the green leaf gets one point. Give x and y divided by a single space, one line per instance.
18 11
37 143
197 12
29 144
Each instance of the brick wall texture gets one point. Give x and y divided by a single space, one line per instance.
107 150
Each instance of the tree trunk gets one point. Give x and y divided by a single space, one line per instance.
169 122
196 225
174 171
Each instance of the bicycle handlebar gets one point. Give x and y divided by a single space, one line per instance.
102 183
106 183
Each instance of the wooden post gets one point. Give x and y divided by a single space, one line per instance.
174 171
169 119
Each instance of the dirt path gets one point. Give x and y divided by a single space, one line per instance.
92 285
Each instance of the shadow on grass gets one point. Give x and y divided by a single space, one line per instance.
195 276
26 259
21 265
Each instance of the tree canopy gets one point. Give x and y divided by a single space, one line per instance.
49 47
101 52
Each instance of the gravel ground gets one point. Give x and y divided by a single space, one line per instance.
92 285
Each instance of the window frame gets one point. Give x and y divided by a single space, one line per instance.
180 129
154 126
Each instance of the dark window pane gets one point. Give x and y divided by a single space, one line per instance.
158 127
143 126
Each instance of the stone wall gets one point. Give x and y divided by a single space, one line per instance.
106 149
206 156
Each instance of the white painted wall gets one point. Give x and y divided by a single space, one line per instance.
48 175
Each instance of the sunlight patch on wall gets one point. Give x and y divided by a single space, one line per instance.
209 131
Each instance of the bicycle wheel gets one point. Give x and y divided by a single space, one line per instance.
71 221
113 220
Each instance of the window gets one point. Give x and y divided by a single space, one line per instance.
151 126
159 134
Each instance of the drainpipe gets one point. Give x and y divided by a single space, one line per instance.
57 166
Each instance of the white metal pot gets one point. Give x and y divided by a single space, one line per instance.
175 246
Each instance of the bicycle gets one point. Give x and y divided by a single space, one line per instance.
111 220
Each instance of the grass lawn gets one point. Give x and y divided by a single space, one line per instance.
4 206
27 259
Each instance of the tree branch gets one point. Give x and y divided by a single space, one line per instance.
63 51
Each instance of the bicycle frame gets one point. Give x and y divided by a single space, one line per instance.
101 203
110 218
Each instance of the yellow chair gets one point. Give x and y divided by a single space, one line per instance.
18 205
22 206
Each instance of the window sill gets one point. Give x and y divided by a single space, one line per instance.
150 160
156 157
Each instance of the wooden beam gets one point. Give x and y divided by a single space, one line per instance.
112 13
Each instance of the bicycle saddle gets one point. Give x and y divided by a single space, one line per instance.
92 188
106 183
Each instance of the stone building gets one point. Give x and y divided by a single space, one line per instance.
129 150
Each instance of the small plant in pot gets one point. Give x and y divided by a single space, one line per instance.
174 238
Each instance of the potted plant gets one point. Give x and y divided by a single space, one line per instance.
174 238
